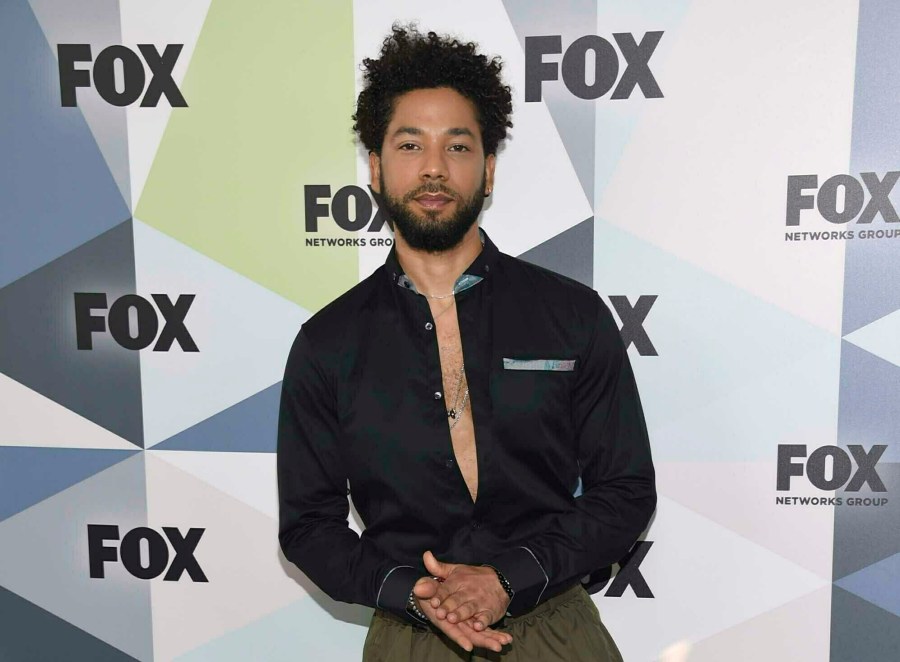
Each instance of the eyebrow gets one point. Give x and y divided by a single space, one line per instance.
415 131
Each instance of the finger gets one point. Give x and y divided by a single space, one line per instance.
447 604
481 640
462 612
464 636
441 594
500 637
453 601
503 637
425 588
482 620
457 634
435 567
484 638
491 639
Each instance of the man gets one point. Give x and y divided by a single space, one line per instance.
462 394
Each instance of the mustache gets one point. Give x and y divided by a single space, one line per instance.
431 188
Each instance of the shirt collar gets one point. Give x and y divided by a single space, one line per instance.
476 272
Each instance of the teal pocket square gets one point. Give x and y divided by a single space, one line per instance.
554 365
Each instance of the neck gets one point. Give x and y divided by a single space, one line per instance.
436 273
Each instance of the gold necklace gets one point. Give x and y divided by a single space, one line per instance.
439 296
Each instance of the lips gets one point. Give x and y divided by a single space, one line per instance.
433 200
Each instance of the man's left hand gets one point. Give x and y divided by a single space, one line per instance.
467 592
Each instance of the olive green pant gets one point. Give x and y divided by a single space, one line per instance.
565 628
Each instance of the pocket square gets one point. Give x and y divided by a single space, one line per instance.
553 365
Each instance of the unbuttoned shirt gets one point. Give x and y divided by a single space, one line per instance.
554 407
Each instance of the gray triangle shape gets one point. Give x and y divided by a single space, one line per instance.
871 265
865 535
570 253
867 385
865 262
32 633
38 345
862 631
574 117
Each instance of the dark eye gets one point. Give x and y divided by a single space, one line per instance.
408 146
459 148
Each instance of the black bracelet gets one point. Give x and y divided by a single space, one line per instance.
504 582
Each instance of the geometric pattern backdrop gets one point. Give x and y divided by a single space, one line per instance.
180 190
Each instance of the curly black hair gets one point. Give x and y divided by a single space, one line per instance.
410 61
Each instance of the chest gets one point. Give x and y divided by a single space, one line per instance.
398 385
457 393
450 350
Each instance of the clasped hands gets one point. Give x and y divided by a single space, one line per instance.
463 602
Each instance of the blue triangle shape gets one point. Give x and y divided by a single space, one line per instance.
249 426
877 584
60 193
30 475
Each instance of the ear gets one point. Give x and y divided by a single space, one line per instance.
490 162
375 172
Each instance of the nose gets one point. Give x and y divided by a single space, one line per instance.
434 165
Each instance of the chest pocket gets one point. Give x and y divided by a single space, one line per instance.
533 388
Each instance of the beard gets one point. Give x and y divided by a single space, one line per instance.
427 232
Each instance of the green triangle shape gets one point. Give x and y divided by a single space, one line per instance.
270 90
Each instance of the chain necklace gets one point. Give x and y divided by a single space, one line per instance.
439 296
459 404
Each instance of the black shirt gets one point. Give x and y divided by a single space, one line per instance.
553 398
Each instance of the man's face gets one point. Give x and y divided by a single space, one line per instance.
432 173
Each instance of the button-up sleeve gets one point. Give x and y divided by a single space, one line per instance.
617 474
312 486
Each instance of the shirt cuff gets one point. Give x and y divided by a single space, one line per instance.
526 577
395 589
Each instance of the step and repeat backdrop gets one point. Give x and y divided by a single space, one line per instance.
180 189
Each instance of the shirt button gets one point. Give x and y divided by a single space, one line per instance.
448 463
487 267
429 326
476 524
437 395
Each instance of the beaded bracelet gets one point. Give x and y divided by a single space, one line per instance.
504 582
413 608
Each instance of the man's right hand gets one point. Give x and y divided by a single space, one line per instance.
463 633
